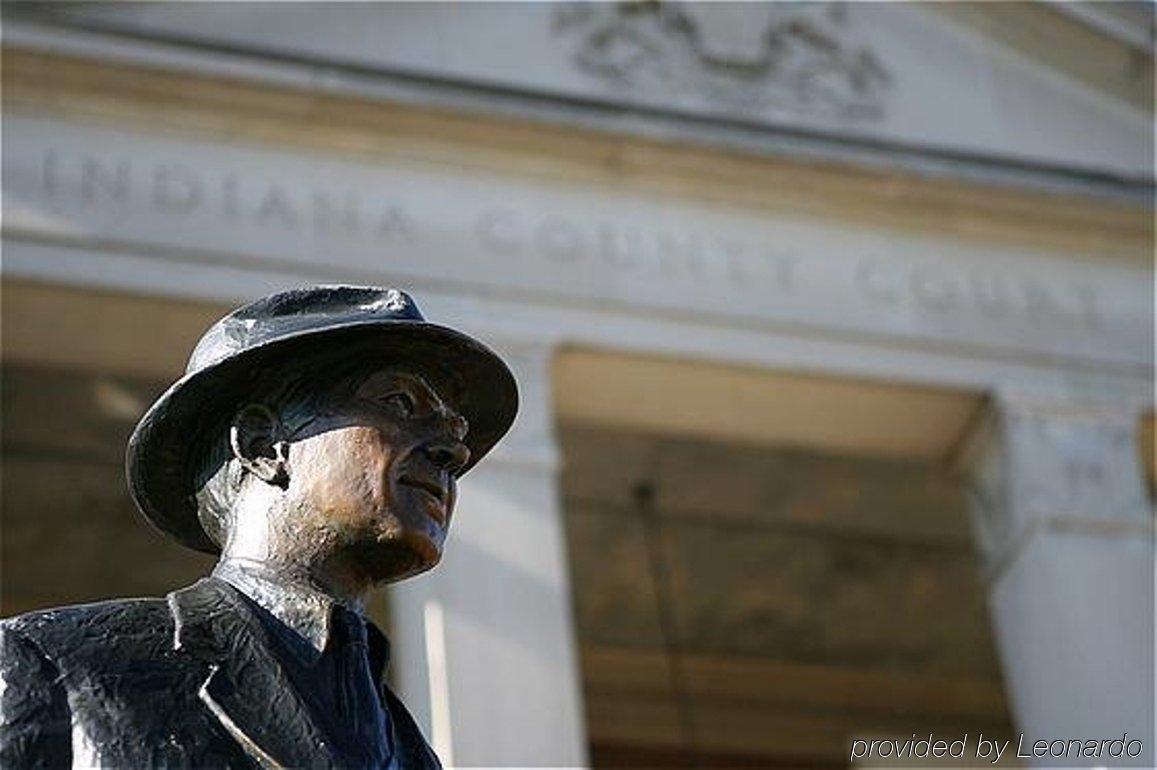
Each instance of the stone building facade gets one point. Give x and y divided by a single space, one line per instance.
833 325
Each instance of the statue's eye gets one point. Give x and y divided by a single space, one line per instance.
402 403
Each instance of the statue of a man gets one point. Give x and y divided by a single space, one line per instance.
314 443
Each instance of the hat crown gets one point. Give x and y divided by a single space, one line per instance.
299 310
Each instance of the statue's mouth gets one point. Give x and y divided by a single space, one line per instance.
434 490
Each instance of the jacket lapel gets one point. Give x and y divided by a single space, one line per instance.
409 748
246 689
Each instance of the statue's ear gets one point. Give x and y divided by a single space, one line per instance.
256 439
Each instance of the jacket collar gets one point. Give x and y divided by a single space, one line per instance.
306 611
246 689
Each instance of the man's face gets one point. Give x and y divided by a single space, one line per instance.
371 479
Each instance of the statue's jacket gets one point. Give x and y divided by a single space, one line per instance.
187 681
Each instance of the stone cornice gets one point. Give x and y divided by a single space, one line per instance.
328 122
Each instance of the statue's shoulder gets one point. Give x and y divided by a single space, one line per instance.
92 632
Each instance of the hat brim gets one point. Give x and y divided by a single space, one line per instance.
166 449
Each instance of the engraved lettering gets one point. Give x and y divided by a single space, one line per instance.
640 247
1039 304
341 215
734 254
1087 300
681 255
559 239
877 283
933 290
176 189
618 248
49 171
499 232
97 180
276 206
991 295
229 205
395 223
785 272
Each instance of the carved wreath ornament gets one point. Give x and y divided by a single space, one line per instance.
797 57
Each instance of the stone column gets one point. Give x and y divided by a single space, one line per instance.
1065 530
484 646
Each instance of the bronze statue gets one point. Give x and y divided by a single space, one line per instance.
314 443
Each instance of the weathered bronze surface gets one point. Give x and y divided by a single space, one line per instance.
314 443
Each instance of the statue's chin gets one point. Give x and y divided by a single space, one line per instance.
388 559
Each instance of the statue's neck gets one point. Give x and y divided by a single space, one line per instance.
295 578
262 541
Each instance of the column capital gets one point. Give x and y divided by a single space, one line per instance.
1068 464
1018 404
1064 530
531 442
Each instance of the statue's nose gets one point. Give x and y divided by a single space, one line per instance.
448 454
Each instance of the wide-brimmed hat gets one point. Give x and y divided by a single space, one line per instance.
273 338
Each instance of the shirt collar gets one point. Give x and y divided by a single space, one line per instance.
307 611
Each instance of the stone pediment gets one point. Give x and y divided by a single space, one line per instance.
895 76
